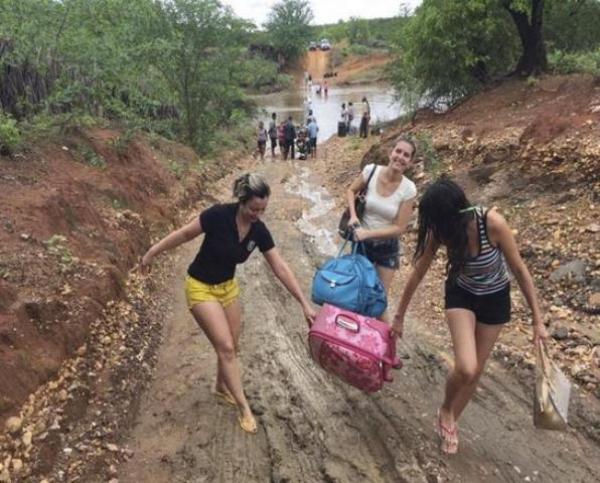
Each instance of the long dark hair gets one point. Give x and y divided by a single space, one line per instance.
441 216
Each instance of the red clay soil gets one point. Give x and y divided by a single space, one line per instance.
52 288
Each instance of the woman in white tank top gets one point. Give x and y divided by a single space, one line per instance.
390 201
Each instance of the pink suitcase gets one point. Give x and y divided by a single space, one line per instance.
357 349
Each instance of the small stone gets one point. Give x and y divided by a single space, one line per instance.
63 395
25 236
82 350
113 480
517 469
593 228
594 299
112 447
68 451
560 333
13 425
112 470
575 269
27 438
17 465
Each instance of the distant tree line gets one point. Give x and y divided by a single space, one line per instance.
179 67
450 48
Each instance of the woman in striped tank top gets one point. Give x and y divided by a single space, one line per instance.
477 299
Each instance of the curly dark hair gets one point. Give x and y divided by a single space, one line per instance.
442 216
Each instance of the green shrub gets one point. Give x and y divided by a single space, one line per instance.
10 136
573 62
91 157
358 49
425 150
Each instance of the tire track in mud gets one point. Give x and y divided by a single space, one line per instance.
313 427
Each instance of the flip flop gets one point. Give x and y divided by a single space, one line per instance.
448 436
225 397
248 424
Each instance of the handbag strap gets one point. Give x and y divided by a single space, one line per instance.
355 247
363 191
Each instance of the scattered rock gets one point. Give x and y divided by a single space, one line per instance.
593 228
13 425
17 465
482 174
27 438
560 333
112 447
594 299
4 476
575 269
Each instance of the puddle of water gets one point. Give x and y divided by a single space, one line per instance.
322 203
328 109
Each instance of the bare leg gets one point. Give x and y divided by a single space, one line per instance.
233 313
461 323
213 321
387 276
486 336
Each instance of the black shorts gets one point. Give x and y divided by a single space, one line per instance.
383 252
312 142
493 308
273 143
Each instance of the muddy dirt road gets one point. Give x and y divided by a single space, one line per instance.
312 427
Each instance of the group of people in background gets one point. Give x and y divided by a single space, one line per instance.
348 114
291 139
301 140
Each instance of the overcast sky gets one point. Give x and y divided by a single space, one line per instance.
326 11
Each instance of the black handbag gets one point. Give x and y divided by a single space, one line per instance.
360 203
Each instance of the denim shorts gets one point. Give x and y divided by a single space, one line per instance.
383 252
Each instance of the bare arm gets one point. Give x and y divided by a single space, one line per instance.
501 235
396 229
283 272
414 279
172 240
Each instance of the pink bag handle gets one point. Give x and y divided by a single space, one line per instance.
347 322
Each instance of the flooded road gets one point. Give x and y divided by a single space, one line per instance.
327 109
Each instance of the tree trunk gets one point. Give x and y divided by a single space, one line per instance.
533 60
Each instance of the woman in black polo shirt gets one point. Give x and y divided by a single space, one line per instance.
232 232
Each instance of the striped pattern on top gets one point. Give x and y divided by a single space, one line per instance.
486 273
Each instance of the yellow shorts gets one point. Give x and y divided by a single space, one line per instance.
197 292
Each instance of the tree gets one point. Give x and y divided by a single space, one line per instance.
528 18
197 49
358 31
451 47
572 25
289 26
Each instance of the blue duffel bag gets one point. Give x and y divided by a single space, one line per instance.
350 282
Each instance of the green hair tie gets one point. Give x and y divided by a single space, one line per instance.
466 210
